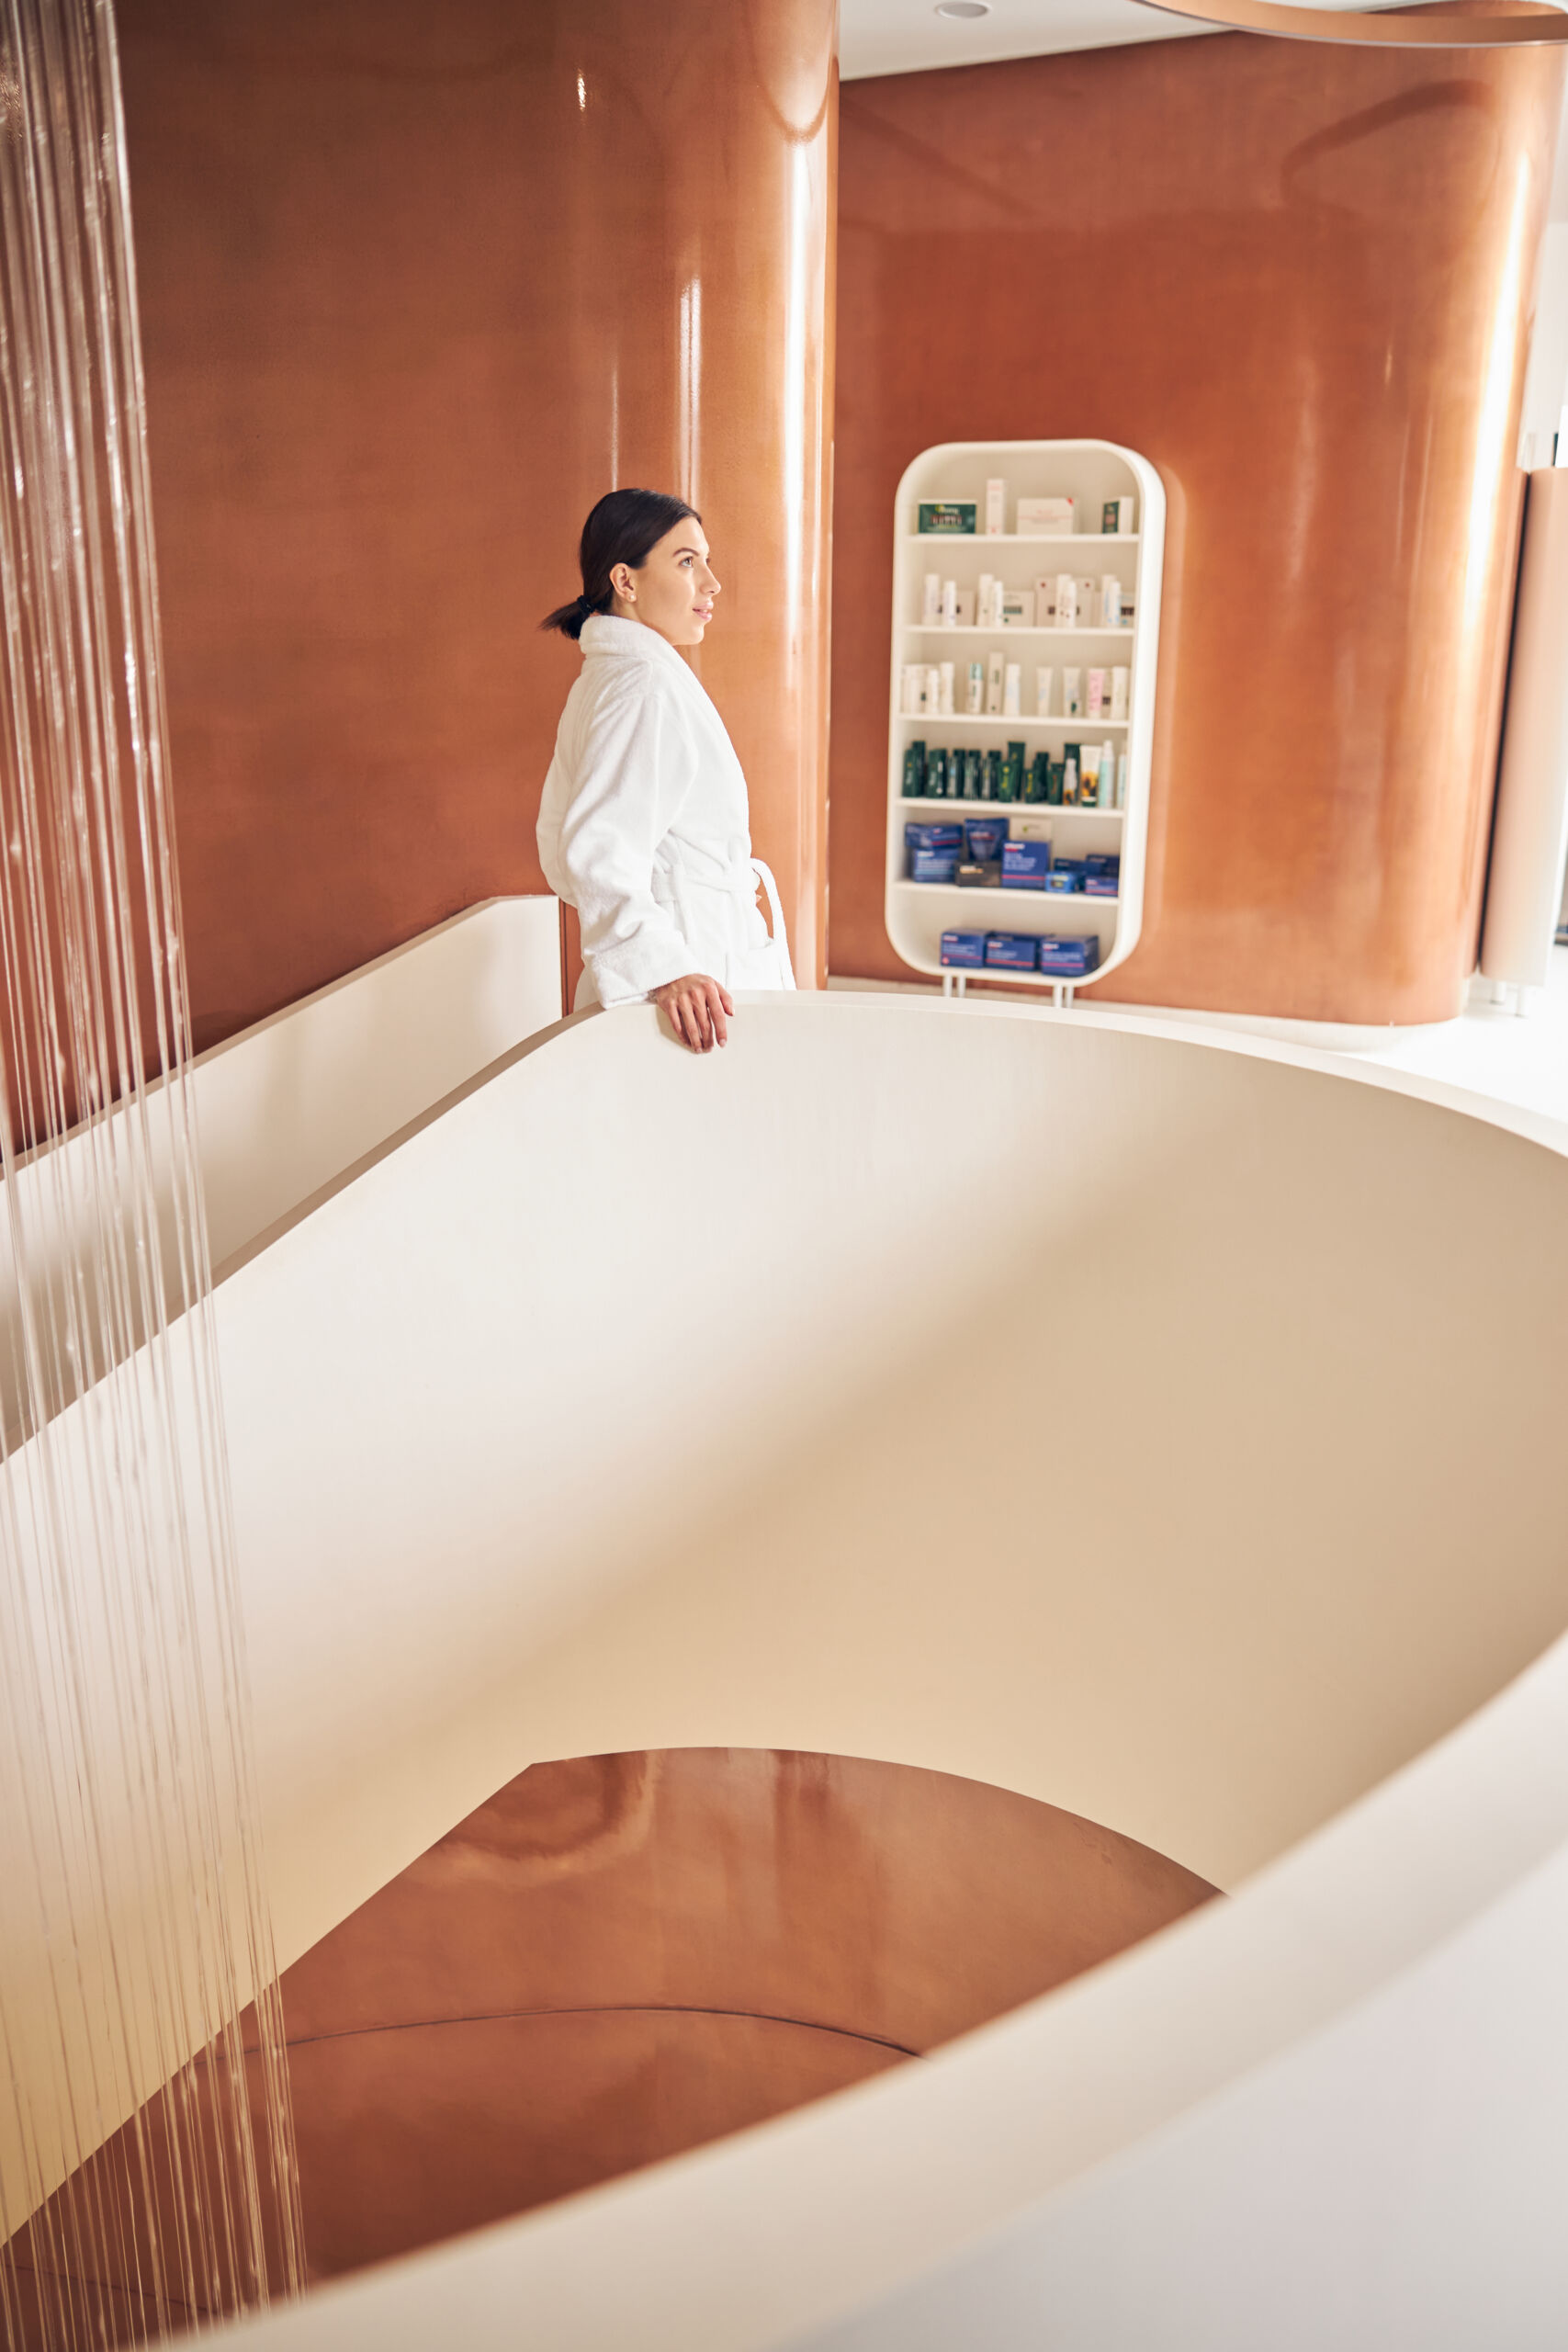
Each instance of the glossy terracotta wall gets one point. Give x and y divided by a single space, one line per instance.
623 1956
418 285
1298 278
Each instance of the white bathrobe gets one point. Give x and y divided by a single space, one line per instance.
643 826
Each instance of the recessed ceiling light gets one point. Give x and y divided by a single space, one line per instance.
963 9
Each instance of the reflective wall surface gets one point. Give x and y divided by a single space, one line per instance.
417 286
1298 278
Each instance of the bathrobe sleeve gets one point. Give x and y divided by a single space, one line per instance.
635 771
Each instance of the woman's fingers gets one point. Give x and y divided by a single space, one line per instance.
718 1004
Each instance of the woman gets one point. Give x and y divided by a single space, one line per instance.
644 823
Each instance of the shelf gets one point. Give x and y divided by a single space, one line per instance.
1022 539
1007 631
1014 808
968 719
981 895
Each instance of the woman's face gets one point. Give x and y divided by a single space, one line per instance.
674 588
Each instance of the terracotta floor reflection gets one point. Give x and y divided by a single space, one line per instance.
621 1957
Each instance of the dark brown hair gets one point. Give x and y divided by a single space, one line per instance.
625 527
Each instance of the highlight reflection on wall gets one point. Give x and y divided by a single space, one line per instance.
1298 278
419 286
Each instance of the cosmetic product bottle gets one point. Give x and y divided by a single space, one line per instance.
995 509
915 771
983 600
992 789
1108 776
1013 769
972 768
1044 602
1070 756
950 604
1095 708
1119 680
1088 602
994 673
964 616
1111 601
974 691
1089 777
1043 680
1066 601
1018 608
1122 780
1012 691
944 688
931 609
936 775
1053 784
909 689
1072 694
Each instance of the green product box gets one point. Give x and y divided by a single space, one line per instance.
947 518
915 771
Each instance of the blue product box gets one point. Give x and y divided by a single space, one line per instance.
964 950
1026 865
987 836
1068 959
1011 951
946 837
1062 877
1101 886
1102 861
933 865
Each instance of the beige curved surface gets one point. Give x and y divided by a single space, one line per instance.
1380 28
1154 1426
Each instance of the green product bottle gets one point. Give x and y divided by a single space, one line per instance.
1053 784
993 790
915 771
1039 785
936 775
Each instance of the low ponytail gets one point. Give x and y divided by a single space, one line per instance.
625 527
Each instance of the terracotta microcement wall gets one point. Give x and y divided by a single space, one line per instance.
417 286
1297 278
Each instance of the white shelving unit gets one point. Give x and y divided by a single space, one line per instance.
1090 473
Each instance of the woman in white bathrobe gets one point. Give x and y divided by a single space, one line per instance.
644 824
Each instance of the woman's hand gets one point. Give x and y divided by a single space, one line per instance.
696 1006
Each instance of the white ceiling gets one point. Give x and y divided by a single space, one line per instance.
907 36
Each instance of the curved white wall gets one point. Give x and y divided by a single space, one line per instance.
1157 1426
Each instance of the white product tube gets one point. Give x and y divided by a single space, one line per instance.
950 604
944 689
931 609
1120 680
1012 691
974 691
1043 680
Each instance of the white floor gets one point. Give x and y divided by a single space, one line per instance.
1518 1058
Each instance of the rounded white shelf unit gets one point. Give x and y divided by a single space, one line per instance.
1092 473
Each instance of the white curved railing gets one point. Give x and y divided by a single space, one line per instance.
1156 1425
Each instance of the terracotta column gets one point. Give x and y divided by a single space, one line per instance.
418 286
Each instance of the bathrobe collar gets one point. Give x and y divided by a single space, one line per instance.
609 636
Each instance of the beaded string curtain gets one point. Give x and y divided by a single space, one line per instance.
147 2173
